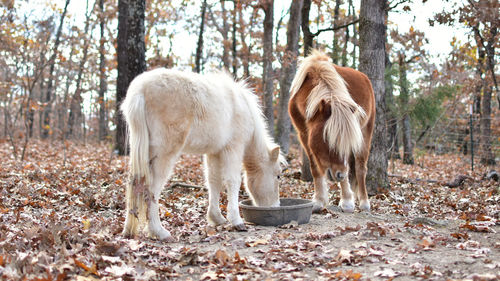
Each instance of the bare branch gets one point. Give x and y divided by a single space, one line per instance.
335 28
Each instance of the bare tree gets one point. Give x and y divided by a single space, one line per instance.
75 112
405 98
103 128
48 93
372 63
267 61
289 63
305 167
131 44
199 48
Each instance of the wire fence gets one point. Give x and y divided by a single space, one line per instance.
458 135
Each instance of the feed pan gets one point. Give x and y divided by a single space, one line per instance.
290 209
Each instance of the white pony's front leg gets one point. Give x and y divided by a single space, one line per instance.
233 211
224 173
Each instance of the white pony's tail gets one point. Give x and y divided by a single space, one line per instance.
133 108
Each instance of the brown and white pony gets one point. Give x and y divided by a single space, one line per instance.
333 110
169 112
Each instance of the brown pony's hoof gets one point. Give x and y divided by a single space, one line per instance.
364 206
346 206
240 227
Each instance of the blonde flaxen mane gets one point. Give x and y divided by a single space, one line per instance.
342 131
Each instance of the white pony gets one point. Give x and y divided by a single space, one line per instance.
169 112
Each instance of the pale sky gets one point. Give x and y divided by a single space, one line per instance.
439 36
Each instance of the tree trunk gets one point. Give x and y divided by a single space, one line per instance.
233 46
246 48
63 106
305 167
103 128
392 118
131 44
267 75
48 94
225 36
75 113
354 37
306 31
372 63
289 66
335 43
199 48
407 142
347 35
405 97
487 156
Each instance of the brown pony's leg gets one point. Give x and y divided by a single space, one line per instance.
352 176
320 199
362 195
346 196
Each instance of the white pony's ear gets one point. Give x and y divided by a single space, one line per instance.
274 154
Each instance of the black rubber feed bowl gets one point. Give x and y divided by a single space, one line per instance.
290 209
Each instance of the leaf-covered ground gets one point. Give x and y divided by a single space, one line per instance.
61 219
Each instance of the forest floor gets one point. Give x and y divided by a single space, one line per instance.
62 211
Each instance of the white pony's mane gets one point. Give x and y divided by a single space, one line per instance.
342 131
261 131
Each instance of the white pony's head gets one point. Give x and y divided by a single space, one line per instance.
262 178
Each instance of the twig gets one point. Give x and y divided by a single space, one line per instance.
180 184
413 180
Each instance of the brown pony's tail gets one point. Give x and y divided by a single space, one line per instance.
342 131
133 108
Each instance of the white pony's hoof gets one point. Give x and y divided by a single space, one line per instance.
317 207
216 220
365 206
240 227
161 234
347 206
168 239
237 222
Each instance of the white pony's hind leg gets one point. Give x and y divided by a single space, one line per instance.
161 168
214 184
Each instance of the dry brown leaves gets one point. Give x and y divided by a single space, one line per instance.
62 222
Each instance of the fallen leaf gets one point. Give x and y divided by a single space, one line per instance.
257 243
344 256
221 257
119 271
387 272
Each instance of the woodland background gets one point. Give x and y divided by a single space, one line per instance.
63 74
